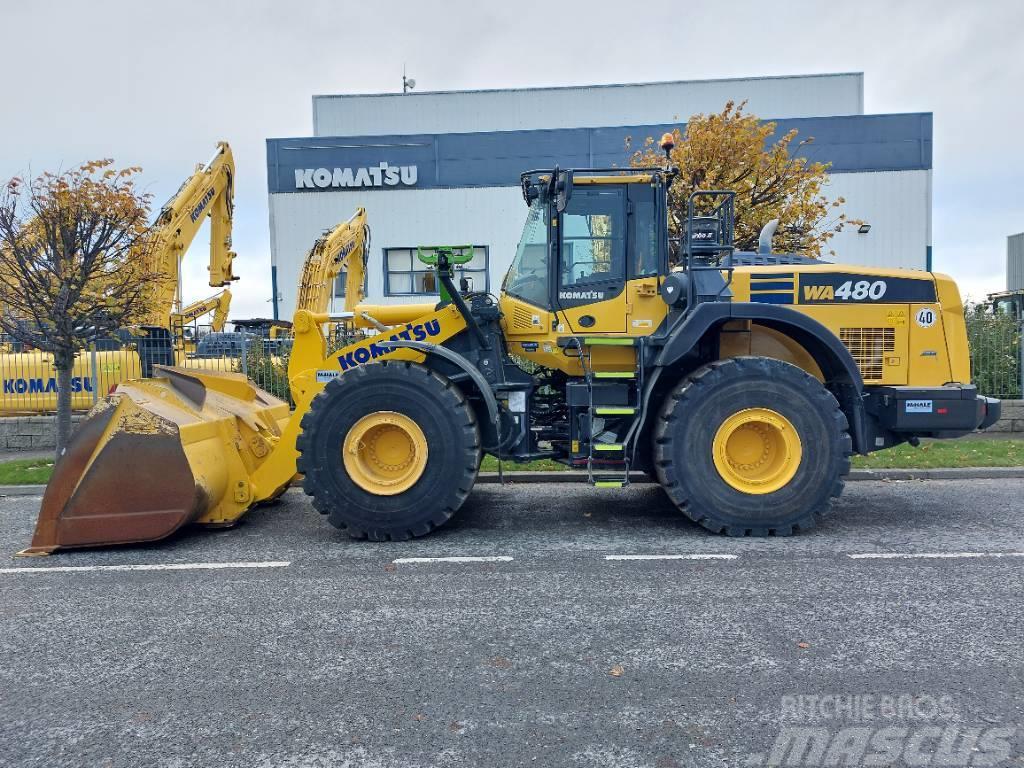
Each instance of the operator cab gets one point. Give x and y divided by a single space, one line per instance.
588 235
596 258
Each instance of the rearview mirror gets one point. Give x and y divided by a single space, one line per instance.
564 188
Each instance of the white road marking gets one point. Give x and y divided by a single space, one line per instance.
455 559
153 567
698 556
928 555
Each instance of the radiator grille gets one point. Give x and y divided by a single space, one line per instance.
868 347
521 318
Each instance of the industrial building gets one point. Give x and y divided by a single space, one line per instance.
1015 262
442 168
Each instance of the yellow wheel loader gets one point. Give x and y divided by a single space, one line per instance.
742 381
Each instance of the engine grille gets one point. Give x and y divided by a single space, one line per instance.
868 347
521 318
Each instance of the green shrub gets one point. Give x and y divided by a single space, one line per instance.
266 371
995 352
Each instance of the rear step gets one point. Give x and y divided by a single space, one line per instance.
614 410
609 341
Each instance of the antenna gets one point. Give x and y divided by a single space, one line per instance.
407 82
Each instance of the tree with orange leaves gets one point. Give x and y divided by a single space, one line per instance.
734 150
72 266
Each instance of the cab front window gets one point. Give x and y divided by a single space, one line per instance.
527 278
593 236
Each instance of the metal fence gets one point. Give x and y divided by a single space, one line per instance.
28 380
996 365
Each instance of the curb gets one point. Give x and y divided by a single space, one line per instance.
640 478
952 473
22 490
955 473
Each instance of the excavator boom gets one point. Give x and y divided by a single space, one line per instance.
341 249
207 193
219 304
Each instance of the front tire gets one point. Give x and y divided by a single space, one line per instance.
751 446
389 451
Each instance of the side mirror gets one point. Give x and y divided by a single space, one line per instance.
564 190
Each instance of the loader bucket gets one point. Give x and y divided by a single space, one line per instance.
158 454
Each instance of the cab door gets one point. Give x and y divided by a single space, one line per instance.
589 291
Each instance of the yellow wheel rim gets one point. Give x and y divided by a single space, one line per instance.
757 450
385 453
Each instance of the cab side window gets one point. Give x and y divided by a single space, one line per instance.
594 236
645 237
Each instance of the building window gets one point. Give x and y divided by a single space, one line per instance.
405 275
339 284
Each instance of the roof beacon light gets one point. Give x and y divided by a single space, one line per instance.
668 144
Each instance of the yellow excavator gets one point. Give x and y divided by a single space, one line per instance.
207 194
742 382
181 322
27 379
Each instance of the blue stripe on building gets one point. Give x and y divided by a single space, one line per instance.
852 144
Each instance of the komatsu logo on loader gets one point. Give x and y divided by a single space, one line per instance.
417 332
39 385
379 175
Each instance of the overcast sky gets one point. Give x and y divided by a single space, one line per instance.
157 84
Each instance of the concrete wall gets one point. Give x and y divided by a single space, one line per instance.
30 433
1011 419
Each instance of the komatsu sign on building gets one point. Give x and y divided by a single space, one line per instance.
443 168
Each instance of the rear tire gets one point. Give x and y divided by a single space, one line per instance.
426 406
784 485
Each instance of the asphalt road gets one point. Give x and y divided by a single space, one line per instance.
549 654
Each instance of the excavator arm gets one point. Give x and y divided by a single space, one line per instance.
344 248
219 304
207 193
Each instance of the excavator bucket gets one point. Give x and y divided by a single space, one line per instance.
161 453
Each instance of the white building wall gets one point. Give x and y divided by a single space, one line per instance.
896 204
490 216
583 106
1015 262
